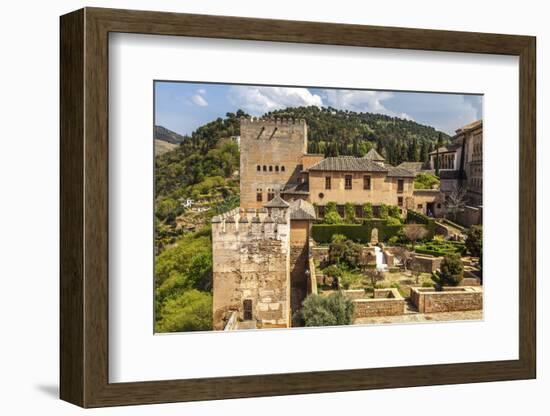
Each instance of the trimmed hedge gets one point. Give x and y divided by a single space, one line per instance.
360 233
437 248
418 218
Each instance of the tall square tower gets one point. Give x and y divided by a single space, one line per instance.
271 157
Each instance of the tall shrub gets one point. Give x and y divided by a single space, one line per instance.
450 272
367 211
334 309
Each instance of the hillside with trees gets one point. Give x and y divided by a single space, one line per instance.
337 132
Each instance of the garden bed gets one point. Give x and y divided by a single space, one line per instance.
440 248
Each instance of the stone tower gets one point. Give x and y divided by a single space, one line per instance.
271 156
252 266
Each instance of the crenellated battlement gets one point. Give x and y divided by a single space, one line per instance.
251 223
281 121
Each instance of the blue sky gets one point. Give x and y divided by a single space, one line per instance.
182 106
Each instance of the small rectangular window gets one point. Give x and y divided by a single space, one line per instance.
327 182
400 201
270 196
258 196
366 182
400 185
348 181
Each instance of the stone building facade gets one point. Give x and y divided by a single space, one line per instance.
465 174
461 162
473 161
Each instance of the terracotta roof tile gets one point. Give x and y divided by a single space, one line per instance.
348 164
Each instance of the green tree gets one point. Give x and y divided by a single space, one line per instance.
349 209
383 211
188 311
330 207
367 211
450 272
344 252
474 242
165 208
394 211
185 265
333 272
331 310
438 146
332 217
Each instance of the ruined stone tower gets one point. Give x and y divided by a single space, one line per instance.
271 156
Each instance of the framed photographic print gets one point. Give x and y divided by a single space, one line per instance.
255 207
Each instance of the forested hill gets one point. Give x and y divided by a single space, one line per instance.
165 135
337 132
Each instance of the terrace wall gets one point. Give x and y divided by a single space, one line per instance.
386 302
451 299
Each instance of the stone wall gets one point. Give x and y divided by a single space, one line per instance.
451 299
470 216
354 294
386 302
428 264
252 264
271 156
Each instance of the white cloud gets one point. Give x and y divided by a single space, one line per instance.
362 101
201 91
259 100
199 100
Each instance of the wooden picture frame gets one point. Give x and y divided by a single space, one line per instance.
84 207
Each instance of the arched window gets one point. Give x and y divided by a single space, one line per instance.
277 168
258 168
265 168
270 168
282 168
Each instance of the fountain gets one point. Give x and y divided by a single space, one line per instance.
381 264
